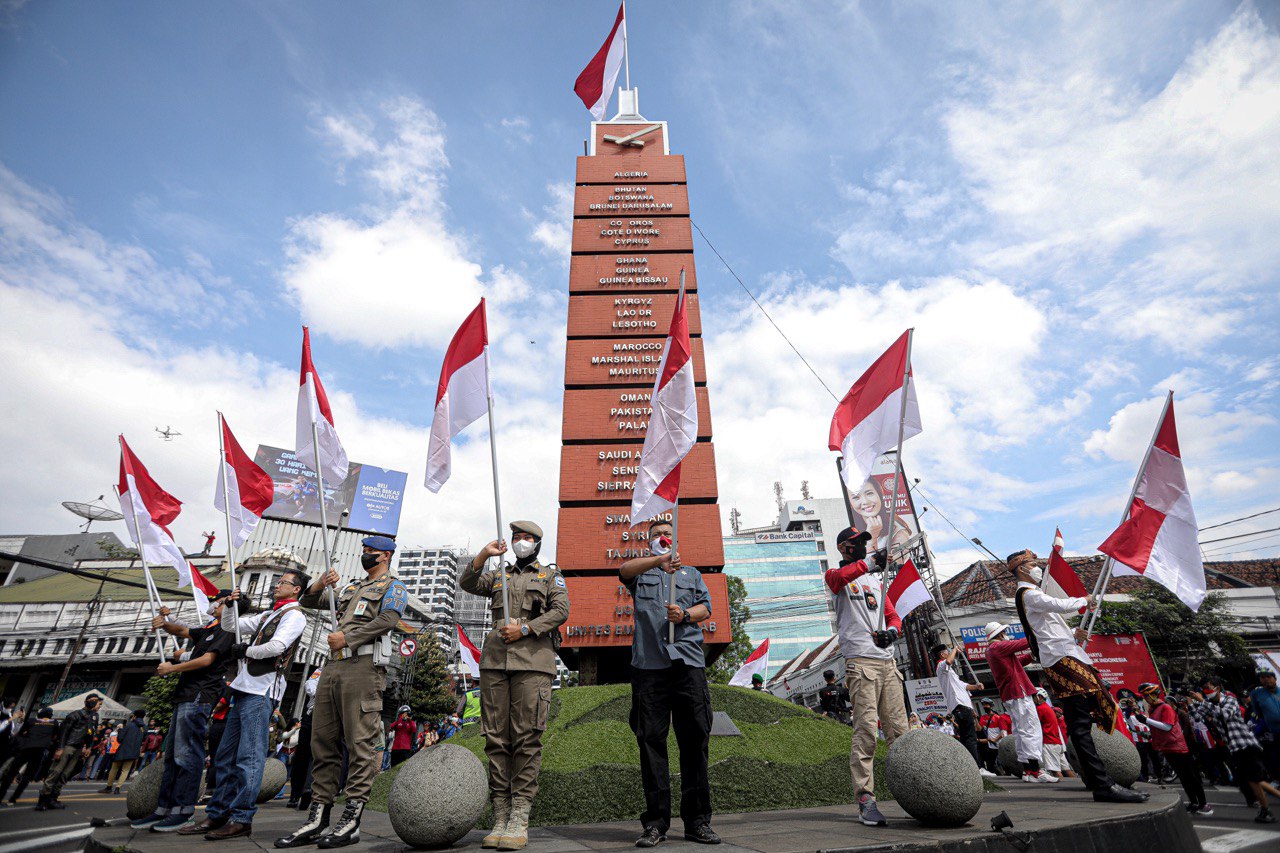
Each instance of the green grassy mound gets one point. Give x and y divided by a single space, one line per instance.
788 757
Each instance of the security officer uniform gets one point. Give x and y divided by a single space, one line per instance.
348 702
79 733
833 699
515 682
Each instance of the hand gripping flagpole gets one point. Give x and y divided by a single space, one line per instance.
1104 576
897 476
146 572
226 512
324 519
497 499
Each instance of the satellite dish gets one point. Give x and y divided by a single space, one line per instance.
91 513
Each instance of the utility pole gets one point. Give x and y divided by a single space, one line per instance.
75 647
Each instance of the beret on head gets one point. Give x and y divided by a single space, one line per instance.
526 527
379 543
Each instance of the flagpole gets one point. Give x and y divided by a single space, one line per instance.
897 476
311 645
226 513
1104 576
941 604
626 49
146 571
671 578
497 500
324 518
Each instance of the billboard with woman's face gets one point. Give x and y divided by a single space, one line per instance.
869 508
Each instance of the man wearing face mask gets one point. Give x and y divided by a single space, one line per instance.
348 699
517 664
1077 687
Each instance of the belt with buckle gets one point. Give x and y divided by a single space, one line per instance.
359 651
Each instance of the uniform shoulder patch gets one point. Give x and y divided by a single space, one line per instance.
396 598
559 580
541 575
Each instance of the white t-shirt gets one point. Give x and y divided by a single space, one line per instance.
953 689
289 628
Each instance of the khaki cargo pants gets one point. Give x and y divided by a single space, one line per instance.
348 710
60 771
513 716
875 689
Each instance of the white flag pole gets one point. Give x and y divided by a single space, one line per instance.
626 49
897 476
324 516
671 578
226 512
1104 576
497 499
146 570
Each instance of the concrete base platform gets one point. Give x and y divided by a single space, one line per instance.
1058 818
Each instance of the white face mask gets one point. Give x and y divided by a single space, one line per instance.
524 548
660 546
1037 575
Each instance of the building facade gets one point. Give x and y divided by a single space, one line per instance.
431 576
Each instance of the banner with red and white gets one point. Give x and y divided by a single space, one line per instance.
673 425
1159 538
462 395
1061 581
148 510
595 84
470 654
908 590
315 421
202 590
248 488
757 663
866 422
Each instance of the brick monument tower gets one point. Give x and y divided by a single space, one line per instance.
631 236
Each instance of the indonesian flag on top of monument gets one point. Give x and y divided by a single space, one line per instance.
865 423
1159 539
1061 581
313 409
756 664
595 84
148 509
248 488
463 393
907 592
470 654
202 589
673 425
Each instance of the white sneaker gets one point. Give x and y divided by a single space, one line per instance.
1041 776
986 774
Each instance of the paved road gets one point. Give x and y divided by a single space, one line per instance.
1231 829
24 830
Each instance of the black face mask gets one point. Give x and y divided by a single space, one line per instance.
369 560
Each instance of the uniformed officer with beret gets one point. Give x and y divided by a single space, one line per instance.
517 664
348 700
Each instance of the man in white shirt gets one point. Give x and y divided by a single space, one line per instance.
956 694
1077 687
267 642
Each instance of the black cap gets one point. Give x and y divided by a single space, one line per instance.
987 702
830 673
851 533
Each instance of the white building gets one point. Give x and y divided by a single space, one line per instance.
431 575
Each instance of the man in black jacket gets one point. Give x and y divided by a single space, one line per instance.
78 735
30 743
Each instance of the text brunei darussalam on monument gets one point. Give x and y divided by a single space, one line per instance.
631 236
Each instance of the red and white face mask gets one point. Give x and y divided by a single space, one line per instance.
660 546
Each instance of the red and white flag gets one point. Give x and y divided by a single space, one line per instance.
673 424
908 590
148 510
1061 581
595 84
463 393
470 654
248 488
757 663
1159 539
202 589
313 410
865 423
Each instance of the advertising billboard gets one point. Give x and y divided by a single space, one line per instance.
869 507
1123 660
974 638
372 494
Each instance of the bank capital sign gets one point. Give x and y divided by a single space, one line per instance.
787 536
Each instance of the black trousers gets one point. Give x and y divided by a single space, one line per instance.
30 760
989 755
1185 766
300 766
966 730
661 699
1075 709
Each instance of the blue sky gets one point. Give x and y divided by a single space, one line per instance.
1074 204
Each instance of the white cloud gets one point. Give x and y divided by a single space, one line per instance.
553 233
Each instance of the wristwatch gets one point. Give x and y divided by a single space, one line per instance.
524 630
685 619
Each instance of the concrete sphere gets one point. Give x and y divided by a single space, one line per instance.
274 775
143 791
1118 755
1007 759
437 796
934 778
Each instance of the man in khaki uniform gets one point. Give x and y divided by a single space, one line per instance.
348 701
516 667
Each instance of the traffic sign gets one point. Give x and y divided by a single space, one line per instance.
408 647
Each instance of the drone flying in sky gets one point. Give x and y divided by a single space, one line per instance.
168 433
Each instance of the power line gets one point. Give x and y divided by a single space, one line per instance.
1239 536
967 540
762 311
1242 518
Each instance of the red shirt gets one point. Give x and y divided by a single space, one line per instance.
1170 741
1005 660
1049 724
405 729
994 721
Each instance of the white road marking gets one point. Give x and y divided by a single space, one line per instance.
1222 843
49 841
15 833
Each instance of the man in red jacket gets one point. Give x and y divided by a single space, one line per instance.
1167 739
875 685
1006 658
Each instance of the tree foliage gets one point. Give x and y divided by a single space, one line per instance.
430 692
158 692
1186 645
740 648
